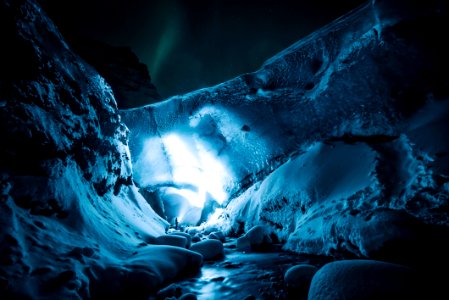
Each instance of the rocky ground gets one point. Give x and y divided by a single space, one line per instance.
129 78
248 276
253 270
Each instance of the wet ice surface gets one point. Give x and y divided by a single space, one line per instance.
240 275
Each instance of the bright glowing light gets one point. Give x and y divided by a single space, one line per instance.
194 165
213 218
214 174
184 205
191 165
189 195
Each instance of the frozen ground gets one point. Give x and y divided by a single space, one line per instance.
240 275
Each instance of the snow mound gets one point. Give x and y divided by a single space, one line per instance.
143 273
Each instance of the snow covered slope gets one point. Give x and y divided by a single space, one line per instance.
72 223
355 113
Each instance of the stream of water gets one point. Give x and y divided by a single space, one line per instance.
247 276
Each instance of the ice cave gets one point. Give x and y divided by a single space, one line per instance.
318 171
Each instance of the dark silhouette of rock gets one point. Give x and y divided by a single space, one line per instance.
129 78
364 279
299 277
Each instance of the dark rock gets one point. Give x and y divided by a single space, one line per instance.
40 271
264 276
299 277
67 278
79 253
187 236
173 290
210 249
128 77
172 240
218 279
193 231
231 265
217 235
196 238
188 296
256 238
364 279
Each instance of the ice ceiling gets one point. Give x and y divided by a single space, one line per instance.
189 167
218 142
195 158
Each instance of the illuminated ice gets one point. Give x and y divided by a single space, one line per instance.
186 171
192 164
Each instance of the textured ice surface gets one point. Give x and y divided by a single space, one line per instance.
343 128
72 223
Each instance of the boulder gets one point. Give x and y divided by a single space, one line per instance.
243 244
196 238
183 234
363 279
128 77
299 277
255 239
172 240
188 296
210 249
172 290
192 231
217 235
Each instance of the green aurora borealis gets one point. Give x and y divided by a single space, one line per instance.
189 44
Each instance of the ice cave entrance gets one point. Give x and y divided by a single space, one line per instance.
198 179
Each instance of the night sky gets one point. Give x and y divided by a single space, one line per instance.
189 44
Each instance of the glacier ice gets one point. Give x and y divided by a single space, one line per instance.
337 128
